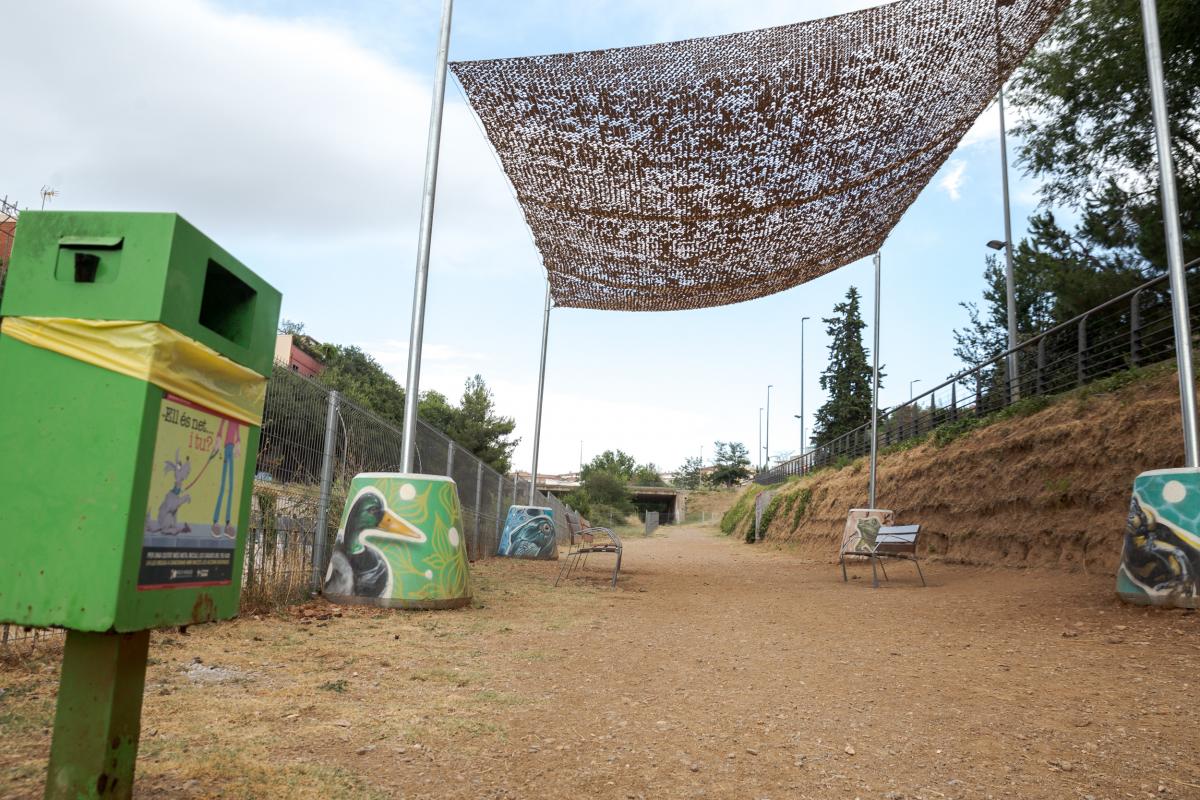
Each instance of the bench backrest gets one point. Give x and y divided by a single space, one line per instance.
897 539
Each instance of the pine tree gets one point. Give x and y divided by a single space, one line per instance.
476 426
847 378
731 461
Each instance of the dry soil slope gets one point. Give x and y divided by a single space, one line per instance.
1048 490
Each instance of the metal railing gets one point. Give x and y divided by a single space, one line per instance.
1133 329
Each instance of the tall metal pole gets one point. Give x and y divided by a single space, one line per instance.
760 448
1170 208
1014 378
803 441
875 391
768 444
421 280
537 423
327 454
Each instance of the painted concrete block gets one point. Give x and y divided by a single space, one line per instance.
529 533
400 544
1160 561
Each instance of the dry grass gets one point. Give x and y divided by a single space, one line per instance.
715 670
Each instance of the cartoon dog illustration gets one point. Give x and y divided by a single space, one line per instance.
168 520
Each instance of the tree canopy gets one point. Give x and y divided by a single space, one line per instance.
473 423
732 463
1088 136
847 377
689 475
1087 131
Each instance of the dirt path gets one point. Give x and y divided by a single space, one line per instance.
715 670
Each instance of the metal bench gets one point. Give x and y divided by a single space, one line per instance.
891 541
584 542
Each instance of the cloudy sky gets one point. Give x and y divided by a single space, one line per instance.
293 133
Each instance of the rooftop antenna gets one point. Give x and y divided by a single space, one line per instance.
48 193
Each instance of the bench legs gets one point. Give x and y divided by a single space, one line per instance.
875 570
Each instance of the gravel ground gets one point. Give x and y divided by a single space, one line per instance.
715 670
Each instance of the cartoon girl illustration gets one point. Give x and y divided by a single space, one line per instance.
232 431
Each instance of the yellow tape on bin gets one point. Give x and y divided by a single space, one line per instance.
152 352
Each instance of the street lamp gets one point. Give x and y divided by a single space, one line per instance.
768 445
910 388
760 450
803 441
1009 289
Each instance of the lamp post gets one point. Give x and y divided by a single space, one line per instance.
910 388
760 449
875 387
803 441
1009 290
767 452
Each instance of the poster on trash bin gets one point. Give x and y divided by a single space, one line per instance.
195 497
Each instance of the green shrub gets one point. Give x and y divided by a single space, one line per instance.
741 509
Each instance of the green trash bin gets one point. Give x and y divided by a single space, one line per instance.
134 352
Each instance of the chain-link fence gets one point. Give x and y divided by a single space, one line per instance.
313 442
1133 329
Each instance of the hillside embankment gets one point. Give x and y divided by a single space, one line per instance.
1041 485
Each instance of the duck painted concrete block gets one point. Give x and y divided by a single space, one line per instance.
400 544
1160 562
529 533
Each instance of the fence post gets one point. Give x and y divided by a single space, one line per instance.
318 551
978 393
478 501
1041 365
1135 323
1081 368
450 459
954 402
499 505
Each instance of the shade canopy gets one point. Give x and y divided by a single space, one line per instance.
710 171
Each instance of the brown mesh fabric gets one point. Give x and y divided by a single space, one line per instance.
716 170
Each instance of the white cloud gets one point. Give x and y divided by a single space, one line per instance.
244 124
953 178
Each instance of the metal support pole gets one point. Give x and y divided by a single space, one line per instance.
1170 207
768 442
803 441
478 501
537 423
1135 326
450 459
499 504
954 402
760 449
421 280
319 535
1014 378
1041 366
875 390
1081 346
98 721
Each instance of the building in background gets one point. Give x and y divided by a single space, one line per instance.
298 353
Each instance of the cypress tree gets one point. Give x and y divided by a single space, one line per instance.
847 378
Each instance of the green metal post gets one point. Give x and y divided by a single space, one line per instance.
98 722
